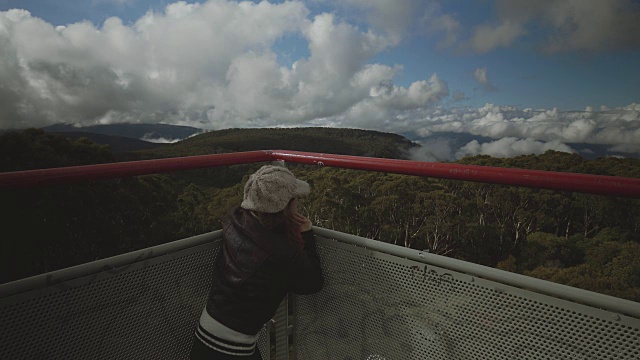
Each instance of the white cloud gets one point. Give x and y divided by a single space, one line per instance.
594 25
158 140
510 147
418 94
210 65
161 66
572 25
435 21
434 150
392 17
480 75
399 18
489 37
393 108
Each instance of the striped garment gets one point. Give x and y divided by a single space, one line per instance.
220 338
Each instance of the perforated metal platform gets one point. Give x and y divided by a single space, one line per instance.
144 308
377 305
382 304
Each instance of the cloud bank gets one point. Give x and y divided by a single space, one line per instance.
515 131
511 146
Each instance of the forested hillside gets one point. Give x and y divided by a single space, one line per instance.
115 143
324 140
586 241
54 227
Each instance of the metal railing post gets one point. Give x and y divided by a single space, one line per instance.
282 330
267 356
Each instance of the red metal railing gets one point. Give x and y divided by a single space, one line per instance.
593 184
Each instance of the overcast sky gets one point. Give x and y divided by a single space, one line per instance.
530 75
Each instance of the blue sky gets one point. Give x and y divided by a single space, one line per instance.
422 66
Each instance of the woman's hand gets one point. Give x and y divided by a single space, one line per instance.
305 223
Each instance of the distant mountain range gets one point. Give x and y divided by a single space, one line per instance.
154 137
117 143
323 140
138 137
127 137
148 132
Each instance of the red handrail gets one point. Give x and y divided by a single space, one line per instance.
70 174
593 184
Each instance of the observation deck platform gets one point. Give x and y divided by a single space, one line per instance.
380 301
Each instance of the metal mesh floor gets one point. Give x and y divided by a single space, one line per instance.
378 306
145 310
374 306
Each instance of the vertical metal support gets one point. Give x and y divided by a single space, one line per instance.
282 330
267 355
292 331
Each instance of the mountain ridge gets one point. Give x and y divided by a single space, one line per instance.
313 139
117 144
135 131
168 134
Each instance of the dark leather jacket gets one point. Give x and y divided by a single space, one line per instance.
256 269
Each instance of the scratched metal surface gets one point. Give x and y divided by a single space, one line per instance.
377 306
144 310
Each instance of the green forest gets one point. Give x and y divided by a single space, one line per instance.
587 241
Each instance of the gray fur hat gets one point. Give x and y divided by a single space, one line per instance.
270 189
